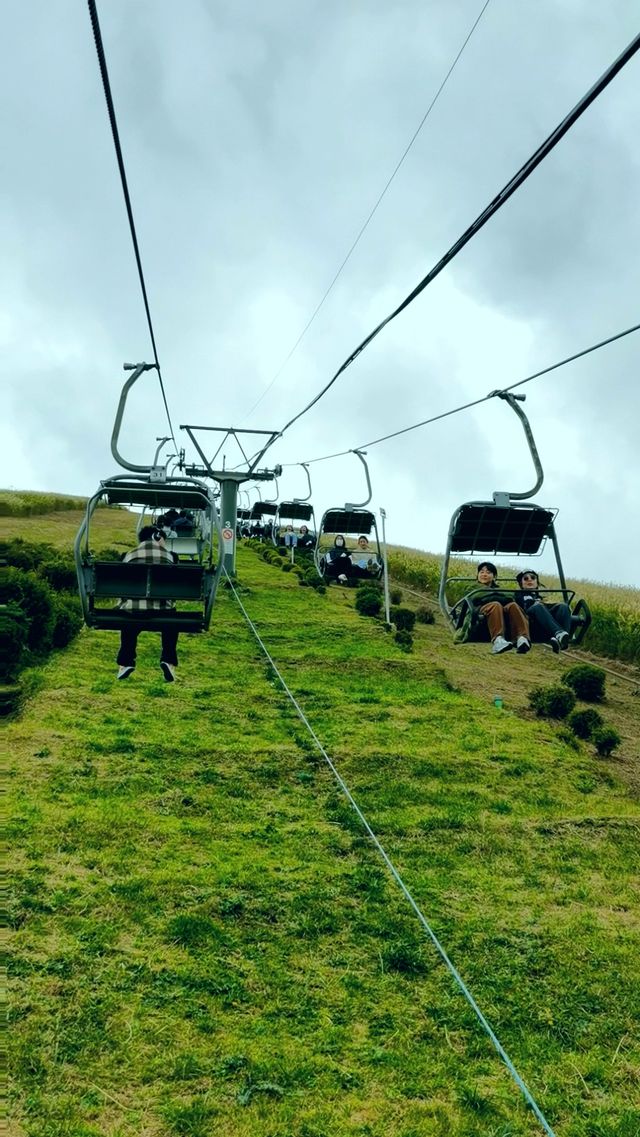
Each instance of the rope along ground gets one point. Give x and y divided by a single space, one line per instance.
528 1096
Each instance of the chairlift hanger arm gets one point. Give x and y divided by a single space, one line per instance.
136 371
305 467
513 401
361 505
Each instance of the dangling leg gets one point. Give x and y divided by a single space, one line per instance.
126 658
518 625
169 653
494 615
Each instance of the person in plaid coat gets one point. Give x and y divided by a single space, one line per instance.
151 550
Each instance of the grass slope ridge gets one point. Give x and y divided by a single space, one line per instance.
204 942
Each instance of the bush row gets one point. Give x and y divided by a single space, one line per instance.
369 602
303 567
39 612
558 702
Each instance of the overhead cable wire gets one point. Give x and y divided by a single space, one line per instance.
102 62
474 402
373 211
498 201
531 1102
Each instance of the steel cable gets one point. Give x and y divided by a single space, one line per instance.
474 402
373 211
498 201
102 63
531 1102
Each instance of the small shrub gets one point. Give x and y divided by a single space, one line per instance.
425 616
404 639
552 702
584 723
395 596
286 566
25 554
14 627
68 616
111 554
587 681
606 739
35 598
403 618
60 574
368 603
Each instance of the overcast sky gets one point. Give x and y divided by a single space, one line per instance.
256 139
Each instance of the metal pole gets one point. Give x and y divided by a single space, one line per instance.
229 519
387 613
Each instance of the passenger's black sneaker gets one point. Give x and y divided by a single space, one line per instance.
555 646
563 640
168 670
124 672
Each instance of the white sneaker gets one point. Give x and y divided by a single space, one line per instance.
563 640
342 579
124 672
169 671
523 645
500 644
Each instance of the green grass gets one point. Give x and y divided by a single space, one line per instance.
204 941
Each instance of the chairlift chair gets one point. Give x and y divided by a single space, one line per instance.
102 583
352 521
292 513
508 525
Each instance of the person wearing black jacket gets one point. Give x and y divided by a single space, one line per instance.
553 621
338 565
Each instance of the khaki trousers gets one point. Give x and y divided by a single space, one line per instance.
506 620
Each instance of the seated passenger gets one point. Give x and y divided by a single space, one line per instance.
365 562
506 620
337 561
150 550
290 539
306 540
183 523
165 523
552 621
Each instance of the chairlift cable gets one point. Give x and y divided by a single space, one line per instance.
531 1102
372 212
498 201
102 62
474 402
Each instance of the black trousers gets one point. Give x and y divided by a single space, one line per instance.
549 618
129 643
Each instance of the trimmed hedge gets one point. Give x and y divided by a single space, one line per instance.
606 739
552 702
587 681
585 722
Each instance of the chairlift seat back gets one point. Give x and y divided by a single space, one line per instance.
159 497
348 521
482 527
263 509
295 511
136 581
184 546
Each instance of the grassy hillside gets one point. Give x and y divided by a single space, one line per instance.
204 942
